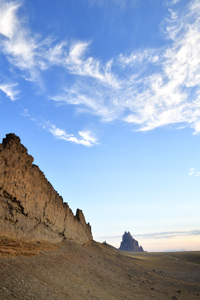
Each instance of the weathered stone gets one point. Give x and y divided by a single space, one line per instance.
129 243
30 208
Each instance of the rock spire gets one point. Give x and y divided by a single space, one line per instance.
129 243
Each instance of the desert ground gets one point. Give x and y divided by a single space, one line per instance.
95 271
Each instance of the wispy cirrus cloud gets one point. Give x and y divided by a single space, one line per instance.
169 95
73 58
30 53
160 235
169 234
10 90
16 41
149 88
147 99
90 97
194 172
88 136
8 21
85 137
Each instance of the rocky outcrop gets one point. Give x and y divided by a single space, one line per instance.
30 208
129 243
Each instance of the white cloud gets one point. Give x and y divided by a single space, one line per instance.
149 88
160 235
90 98
73 58
25 113
16 41
85 140
86 137
191 171
169 234
8 21
168 95
9 90
91 67
194 172
33 54
137 57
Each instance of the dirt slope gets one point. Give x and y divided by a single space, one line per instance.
94 271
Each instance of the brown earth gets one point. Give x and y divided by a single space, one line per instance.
94 271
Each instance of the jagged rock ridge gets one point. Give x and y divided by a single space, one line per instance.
30 208
129 243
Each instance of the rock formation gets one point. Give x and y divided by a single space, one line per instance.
129 243
30 208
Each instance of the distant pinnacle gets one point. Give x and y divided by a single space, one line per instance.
129 243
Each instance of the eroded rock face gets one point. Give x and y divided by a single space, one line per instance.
30 208
129 243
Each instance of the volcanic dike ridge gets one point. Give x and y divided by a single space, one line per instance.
30 208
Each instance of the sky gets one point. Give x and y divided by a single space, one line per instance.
105 95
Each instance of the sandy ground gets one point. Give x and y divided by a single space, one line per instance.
95 271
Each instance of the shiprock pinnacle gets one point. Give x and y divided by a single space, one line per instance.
129 243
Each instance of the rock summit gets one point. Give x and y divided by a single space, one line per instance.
130 244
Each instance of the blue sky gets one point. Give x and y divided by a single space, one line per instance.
106 97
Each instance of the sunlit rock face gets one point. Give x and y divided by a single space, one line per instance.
129 243
30 208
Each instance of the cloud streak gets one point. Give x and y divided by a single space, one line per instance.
194 172
84 137
31 53
147 89
10 90
16 42
167 96
160 235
